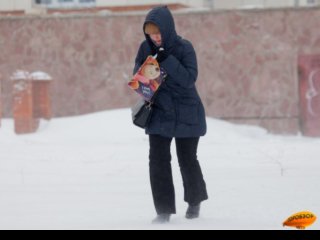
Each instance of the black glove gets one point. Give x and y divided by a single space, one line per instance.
161 54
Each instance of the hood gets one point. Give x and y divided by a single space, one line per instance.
162 17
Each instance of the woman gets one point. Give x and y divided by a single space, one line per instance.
178 113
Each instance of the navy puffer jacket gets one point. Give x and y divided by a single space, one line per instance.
178 110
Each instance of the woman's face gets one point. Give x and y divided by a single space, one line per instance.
156 38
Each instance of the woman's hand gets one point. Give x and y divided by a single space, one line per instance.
161 54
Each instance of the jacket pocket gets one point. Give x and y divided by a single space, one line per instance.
188 111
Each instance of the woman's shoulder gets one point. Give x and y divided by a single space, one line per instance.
184 43
145 48
144 44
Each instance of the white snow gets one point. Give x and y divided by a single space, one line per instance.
41 76
91 172
20 75
36 76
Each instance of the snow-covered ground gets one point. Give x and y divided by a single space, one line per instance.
91 172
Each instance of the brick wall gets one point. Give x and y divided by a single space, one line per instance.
248 61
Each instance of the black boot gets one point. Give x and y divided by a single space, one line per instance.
193 212
162 219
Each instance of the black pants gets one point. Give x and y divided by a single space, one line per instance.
161 173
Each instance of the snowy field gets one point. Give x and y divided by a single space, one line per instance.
91 172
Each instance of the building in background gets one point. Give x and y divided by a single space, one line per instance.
34 6
236 4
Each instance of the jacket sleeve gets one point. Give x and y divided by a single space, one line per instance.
139 59
183 73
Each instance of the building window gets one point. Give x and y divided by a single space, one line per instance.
44 2
311 2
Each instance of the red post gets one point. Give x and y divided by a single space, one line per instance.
23 103
42 95
309 80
